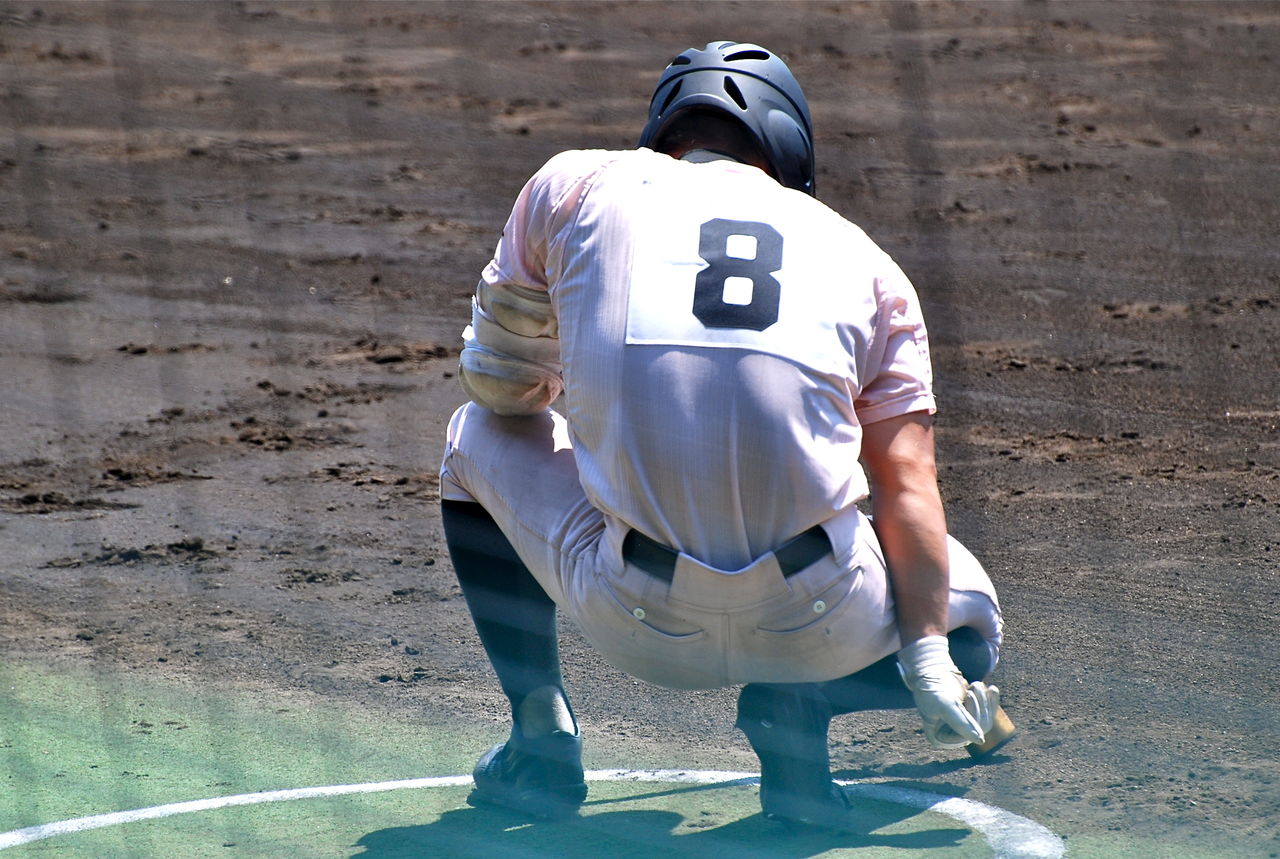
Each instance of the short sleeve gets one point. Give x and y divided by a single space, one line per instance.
899 375
547 200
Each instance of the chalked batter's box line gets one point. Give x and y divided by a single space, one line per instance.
1009 835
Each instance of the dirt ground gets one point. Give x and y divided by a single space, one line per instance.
237 246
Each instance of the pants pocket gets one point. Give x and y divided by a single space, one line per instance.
649 641
817 610
651 616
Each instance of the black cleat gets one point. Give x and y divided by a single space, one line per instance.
787 728
829 810
540 777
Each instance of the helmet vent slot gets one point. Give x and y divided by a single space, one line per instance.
681 60
734 93
747 55
671 96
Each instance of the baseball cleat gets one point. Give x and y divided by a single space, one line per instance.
1001 732
828 811
787 728
541 777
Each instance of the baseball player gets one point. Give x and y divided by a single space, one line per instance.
685 372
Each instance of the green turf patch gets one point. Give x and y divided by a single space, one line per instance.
80 744
621 820
74 745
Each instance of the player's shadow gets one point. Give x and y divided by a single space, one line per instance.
496 832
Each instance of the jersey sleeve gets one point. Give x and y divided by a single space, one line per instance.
510 359
899 376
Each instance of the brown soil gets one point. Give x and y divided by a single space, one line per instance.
239 242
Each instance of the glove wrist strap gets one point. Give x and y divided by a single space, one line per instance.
927 651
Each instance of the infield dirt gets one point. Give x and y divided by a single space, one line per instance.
237 247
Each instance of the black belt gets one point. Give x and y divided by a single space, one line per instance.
658 560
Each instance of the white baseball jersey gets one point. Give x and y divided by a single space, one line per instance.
722 340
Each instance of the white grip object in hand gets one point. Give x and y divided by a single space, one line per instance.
955 712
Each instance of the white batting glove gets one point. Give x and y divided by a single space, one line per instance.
955 713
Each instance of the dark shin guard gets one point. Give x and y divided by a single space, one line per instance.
879 686
787 727
514 617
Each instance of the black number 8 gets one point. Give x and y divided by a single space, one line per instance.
709 303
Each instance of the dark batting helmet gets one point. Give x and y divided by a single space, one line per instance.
746 83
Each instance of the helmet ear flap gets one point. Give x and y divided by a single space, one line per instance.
792 154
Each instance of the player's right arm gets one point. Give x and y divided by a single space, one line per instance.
909 520
895 406
911 527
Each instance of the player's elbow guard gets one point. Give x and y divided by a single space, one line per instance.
507 372
506 385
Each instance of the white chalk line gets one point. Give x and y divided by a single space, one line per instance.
1008 834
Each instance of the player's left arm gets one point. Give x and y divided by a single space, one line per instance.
511 350
510 359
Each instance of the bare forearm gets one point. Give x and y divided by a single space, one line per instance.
910 522
911 525
912 531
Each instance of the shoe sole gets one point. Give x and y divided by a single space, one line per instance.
832 816
530 803
557 799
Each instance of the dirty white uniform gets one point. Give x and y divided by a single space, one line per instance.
719 341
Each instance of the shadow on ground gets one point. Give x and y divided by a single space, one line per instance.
484 831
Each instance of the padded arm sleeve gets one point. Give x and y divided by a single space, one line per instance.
511 351
511 357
